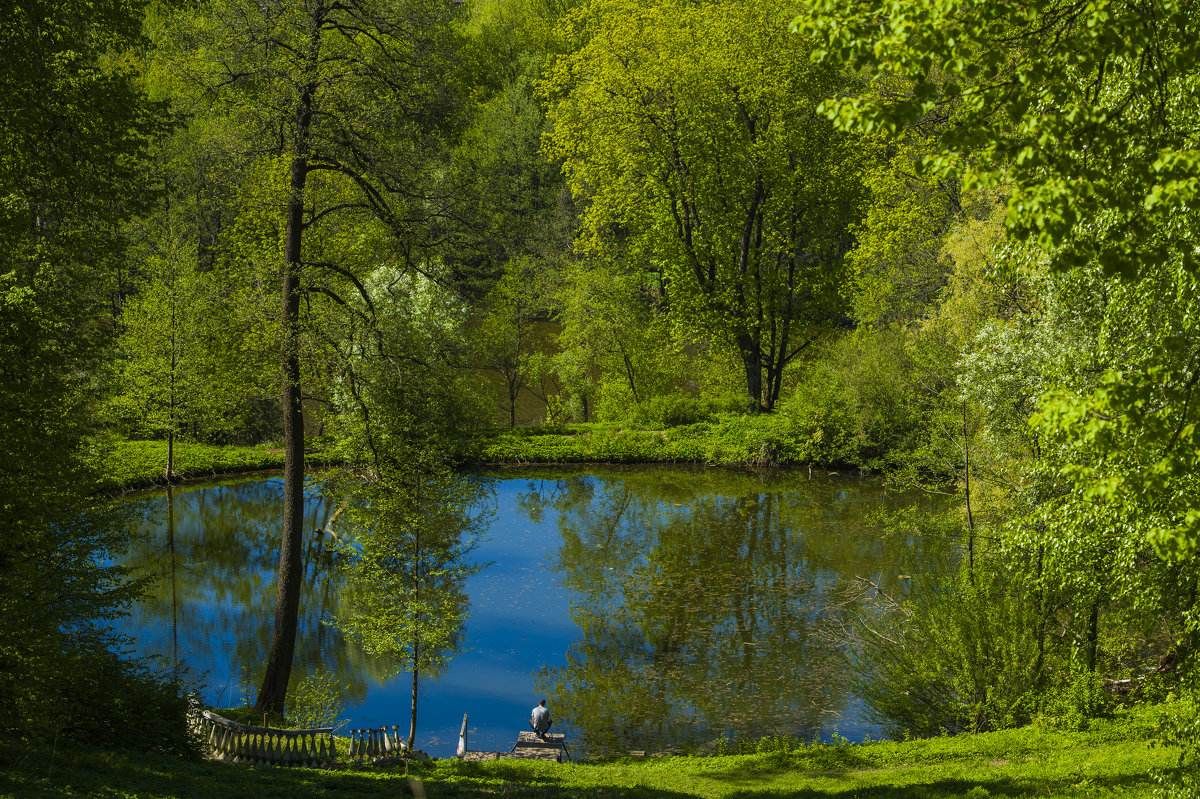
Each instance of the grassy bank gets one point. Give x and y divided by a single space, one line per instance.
762 440
729 440
756 441
1112 759
140 464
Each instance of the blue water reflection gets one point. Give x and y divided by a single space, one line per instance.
559 605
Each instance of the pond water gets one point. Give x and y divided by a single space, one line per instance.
654 607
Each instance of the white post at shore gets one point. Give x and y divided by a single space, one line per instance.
462 738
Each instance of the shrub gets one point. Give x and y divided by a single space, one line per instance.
757 440
318 700
613 402
674 410
1180 727
1071 705
111 701
751 746
671 410
760 440
856 404
956 656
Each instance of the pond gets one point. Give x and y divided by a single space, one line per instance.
654 607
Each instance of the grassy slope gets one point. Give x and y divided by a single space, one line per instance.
1113 759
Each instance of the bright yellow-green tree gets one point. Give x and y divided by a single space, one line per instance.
1085 114
691 131
411 527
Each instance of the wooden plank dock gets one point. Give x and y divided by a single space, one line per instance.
551 747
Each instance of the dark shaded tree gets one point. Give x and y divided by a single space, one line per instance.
73 140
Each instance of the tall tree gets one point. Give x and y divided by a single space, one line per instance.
167 379
411 532
691 129
512 202
410 522
616 349
507 334
194 322
338 104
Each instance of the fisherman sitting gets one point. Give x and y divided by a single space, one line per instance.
540 719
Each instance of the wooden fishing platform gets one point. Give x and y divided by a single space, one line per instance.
551 747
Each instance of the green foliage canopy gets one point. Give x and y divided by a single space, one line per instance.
1084 108
1085 112
73 140
692 131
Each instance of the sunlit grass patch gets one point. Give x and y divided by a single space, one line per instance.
1113 758
126 464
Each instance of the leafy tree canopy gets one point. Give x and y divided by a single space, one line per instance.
1085 112
73 138
691 129
1085 109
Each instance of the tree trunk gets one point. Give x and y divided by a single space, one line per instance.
967 495
170 474
1042 617
774 379
172 422
750 351
412 720
273 692
629 376
1193 636
1093 637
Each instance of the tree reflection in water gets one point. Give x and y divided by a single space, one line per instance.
212 550
710 606
702 603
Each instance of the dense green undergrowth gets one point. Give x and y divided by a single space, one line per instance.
728 440
1113 758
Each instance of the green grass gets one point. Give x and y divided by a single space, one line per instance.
727 440
1114 758
140 464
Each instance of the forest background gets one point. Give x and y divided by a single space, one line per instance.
952 243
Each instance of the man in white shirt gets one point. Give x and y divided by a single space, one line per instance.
540 719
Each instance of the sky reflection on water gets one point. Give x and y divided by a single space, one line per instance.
657 607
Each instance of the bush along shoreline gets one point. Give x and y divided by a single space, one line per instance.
761 441
808 431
